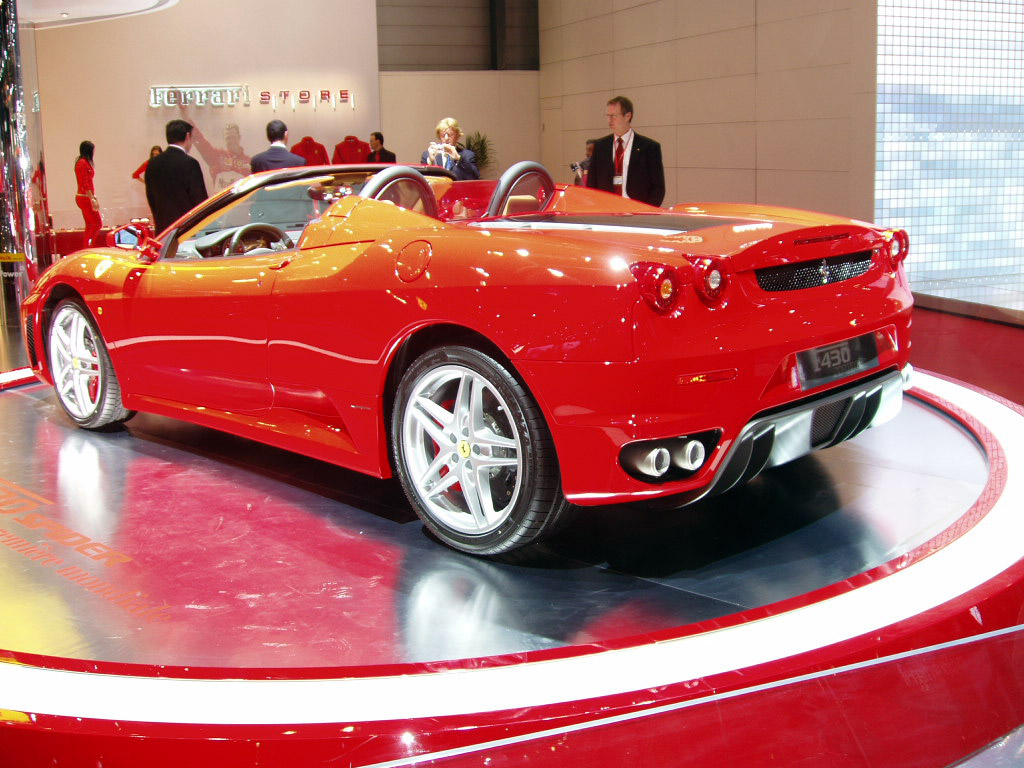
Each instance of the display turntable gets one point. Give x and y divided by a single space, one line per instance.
170 592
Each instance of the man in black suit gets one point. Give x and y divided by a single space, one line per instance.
174 180
624 162
377 152
278 155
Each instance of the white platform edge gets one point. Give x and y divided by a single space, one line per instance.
18 374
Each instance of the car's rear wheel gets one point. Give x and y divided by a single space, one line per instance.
83 376
474 454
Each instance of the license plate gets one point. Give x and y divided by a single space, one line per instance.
823 365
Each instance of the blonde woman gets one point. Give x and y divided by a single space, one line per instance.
448 153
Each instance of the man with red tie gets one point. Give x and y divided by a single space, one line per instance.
624 162
377 152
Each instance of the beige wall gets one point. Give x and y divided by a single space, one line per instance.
753 100
94 84
503 105
769 101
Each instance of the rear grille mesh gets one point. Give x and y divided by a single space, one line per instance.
811 274
825 420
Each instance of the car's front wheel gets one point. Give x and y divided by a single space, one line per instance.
474 454
83 376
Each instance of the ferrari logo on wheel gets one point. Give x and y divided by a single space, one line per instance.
464 449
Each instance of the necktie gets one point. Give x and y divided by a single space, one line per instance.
620 150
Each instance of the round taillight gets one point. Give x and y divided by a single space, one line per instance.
711 280
658 283
666 289
899 244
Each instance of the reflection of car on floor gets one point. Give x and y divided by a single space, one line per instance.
510 350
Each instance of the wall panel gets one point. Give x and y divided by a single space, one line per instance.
760 88
503 104
433 34
94 82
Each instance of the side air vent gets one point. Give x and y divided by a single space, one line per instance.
811 274
30 340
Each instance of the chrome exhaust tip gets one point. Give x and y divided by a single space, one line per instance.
690 456
655 462
908 376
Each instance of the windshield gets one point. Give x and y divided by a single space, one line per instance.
269 218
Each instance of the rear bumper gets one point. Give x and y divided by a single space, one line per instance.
776 438
590 445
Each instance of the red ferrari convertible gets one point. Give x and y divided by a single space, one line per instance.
511 350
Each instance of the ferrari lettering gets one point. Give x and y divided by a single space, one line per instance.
198 95
132 601
11 502
79 542
40 553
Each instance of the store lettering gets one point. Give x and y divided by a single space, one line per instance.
303 97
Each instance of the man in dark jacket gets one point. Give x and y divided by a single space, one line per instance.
277 156
624 162
174 180
377 152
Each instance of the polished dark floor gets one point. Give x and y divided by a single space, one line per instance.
243 555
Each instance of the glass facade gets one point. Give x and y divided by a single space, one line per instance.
950 143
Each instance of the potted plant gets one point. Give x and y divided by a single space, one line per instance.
481 147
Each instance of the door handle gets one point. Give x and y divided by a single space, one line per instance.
282 265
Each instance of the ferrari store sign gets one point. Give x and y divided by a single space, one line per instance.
6 257
240 95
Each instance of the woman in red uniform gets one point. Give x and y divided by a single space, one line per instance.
140 172
86 196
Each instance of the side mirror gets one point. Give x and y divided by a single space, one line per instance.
136 236
127 236
130 235
149 250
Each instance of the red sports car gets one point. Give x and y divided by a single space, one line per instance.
511 350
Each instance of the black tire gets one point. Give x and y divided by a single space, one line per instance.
83 376
474 454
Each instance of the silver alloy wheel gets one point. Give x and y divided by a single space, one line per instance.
463 451
75 362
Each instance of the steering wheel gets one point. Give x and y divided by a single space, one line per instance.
277 235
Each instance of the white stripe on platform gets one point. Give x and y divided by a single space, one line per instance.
19 374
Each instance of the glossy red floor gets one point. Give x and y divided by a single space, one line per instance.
172 594
985 353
